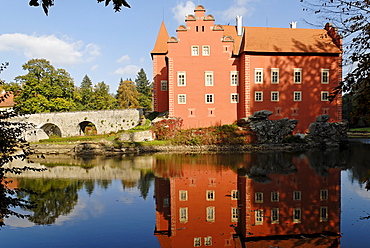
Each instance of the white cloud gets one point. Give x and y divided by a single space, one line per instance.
130 69
183 9
57 51
94 67
238 7
124 59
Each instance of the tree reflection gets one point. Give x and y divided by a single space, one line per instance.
52 198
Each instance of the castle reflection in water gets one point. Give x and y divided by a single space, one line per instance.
269 200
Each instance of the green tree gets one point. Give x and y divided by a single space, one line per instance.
85 93
46 4
11 87
44 88
144 87
127 95
102 99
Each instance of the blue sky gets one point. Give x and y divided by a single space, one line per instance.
86 38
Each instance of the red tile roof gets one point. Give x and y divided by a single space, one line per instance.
7 100
161 43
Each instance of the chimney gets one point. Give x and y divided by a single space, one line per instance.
293 24
239 25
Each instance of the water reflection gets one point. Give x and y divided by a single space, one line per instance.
229 200
261 199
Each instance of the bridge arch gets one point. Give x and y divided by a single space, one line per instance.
51 129
87 128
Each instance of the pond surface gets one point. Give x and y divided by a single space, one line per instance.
312 199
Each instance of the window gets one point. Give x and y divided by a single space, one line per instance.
274 216
164 85
211 112
183 215
234 98
297 96
183 195
197 242
234 78
258 197
206 50
294 111
212 182
323 194
296 195
258 96
324 95
258 76
234 214
166 202
210 213
181 79
208 241
274 96
297 75
323 214
274 75
210 195
259 217
208 78
194 50
234 195
181 98
297 215
324 76
274 196
209 98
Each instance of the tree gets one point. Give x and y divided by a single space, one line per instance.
352 20
44 88
102 99
46 4
85 93
12 147
144 87
127 95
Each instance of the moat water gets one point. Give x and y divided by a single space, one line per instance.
300 199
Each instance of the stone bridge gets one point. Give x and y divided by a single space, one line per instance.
65 124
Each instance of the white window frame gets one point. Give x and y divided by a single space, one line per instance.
258 96
210 195
275 196
258 75
275 216
297 76
275 96
273 71
297 195
234 78
194 50
325 76
206 52
297 215
324 96
208 241
164 85
197 242
181 78
234 97
258 197
183 215
208 78
295 96
183 195
210 214
235 214
181 99
235 194
258 218
323 214
209 97
324 194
